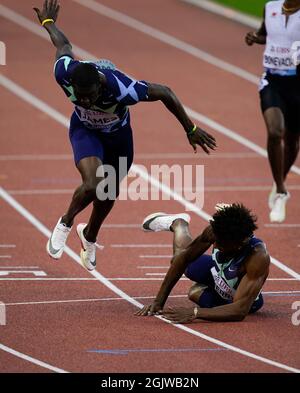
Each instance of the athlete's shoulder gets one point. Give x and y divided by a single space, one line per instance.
127 90
63 68
274 3
259 260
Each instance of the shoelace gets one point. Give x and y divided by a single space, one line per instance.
278 199
61 233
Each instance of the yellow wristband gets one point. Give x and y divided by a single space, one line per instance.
46 21
192 130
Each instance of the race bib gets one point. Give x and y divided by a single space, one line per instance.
97 119
221 287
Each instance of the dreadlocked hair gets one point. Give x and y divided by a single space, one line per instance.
233 223
84 75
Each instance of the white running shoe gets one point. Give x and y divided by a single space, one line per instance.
278 211
88 250
272 196
56 243
157 222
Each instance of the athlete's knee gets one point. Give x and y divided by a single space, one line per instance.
90 186
275 133
196 291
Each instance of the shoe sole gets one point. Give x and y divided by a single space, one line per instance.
53 256
147 221
82 250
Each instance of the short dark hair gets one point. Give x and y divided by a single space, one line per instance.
85 75
233 223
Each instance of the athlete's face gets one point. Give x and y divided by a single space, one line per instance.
230 249
87 96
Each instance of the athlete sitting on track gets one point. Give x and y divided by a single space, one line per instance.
228 283
100 131
280 94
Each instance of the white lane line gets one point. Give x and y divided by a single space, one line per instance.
283 226
140 245
31 359
58 279
167 39
46 278
38 225
155 256
145 156
19 267
155 274
34 28
35 157
226 12
154 267
5 256
104 299
7 246
36 273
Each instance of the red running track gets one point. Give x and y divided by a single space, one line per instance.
60 314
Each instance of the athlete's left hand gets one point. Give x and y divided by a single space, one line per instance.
50 10
203 139
179 314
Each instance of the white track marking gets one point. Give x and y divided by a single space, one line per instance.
141 245
104 299
7 246
34 28
153 267
31 359
36 273
156 256
155 274
36 157
19 267
5 256
168 39
144 156
62 279
282 226
226 12
36 223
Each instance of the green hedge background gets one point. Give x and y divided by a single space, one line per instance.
253 7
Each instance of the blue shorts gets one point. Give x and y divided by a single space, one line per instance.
199 271
108 147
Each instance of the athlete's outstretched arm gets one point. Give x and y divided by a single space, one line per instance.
196 135
178 265
258 37
249 288
60 41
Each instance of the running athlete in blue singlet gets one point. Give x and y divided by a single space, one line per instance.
228 282
100 131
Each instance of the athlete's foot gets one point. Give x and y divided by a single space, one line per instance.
88 250
278 211
56 243
272 196
157 222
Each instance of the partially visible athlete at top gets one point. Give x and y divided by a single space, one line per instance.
100 130
280 94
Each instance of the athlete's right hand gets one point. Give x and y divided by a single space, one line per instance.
152 309
50 10
253 38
